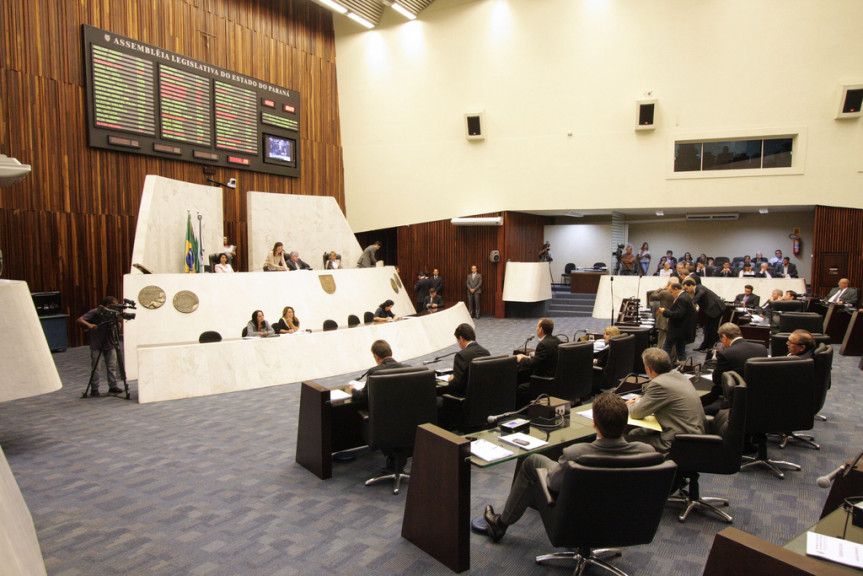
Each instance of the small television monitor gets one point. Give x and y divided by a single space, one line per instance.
279 150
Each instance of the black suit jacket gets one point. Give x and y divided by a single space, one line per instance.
791 270
732 359
461 368
753 302
437 284
386 364
544 359
298 265
709 301
427 302
849 297
682 319
421 288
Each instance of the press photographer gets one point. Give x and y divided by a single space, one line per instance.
103 325
545 253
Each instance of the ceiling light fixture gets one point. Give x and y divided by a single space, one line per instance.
359 19
403 11
333 6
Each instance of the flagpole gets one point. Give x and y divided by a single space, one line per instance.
200 244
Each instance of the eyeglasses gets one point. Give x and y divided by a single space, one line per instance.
790 343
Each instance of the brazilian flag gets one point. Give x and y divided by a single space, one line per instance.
192 263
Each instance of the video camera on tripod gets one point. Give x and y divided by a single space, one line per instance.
117 312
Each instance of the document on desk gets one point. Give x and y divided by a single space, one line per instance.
523 441
649 422
834 549
487 451
338 395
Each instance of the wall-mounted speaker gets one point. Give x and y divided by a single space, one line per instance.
494 256
473 124
645 114
850 101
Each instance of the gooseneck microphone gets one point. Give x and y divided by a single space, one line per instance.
826 481
437 359
529 338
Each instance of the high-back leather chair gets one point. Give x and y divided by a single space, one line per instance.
399 401
720 451
592 509
353 320
779 342
780 394
567 270
642 342
823 356
330 325
573 377
811 321
211 336
368 317
491 389
619 363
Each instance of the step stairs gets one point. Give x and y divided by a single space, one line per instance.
565 304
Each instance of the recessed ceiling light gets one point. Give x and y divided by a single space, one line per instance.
362 21
332 5
403 11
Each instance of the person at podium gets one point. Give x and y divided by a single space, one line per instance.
384 313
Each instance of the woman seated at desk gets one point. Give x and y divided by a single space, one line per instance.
276 259
223 265
332 262
258 326
384 313
288 323
747 272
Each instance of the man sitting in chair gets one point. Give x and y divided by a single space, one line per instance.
383 355
543 362
609 419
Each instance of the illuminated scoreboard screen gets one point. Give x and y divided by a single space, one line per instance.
146 100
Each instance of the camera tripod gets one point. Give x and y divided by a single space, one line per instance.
121 366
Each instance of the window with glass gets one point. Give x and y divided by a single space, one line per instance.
748 154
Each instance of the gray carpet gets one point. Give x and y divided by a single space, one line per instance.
208 486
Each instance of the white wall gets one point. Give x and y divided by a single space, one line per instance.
543 69
581 244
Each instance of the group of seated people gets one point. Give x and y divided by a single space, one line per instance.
258 326
740 267
276 262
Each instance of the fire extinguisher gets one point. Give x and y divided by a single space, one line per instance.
795 244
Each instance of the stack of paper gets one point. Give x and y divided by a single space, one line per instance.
487 451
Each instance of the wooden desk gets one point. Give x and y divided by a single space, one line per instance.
852 343
758 332
836 323
834 524
585 281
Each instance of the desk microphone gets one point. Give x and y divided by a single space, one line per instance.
438 359
529 338
504 416
364 374
826 481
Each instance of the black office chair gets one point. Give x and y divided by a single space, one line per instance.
642 342
353 320
245 332
567 271
491 389
212 336
811 321
736 264
593 511
780 398
213 260
330 325
573 377
618 365
787 306
779 342
718 452
399 401
719 261
599 265
368 317
823 356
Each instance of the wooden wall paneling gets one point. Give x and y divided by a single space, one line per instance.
837 230
79 205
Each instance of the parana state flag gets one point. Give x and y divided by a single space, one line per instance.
192 263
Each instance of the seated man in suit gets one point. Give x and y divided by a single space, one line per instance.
733 356
432 302
787 269
466 338
383 355
671 398
543 362
747 299
763 271
609 419
801 344
726 271
843 294
774 296
294 262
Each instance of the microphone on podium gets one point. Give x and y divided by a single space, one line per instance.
438 359
529 338
826 481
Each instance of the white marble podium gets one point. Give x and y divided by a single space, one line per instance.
20 554
727 288
170 372
526 282
28 368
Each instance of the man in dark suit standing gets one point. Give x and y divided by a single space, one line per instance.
466 338
843 294
713 306
474 291
437 282
732 358
383 355
544 359
421 289
682 322
747 299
